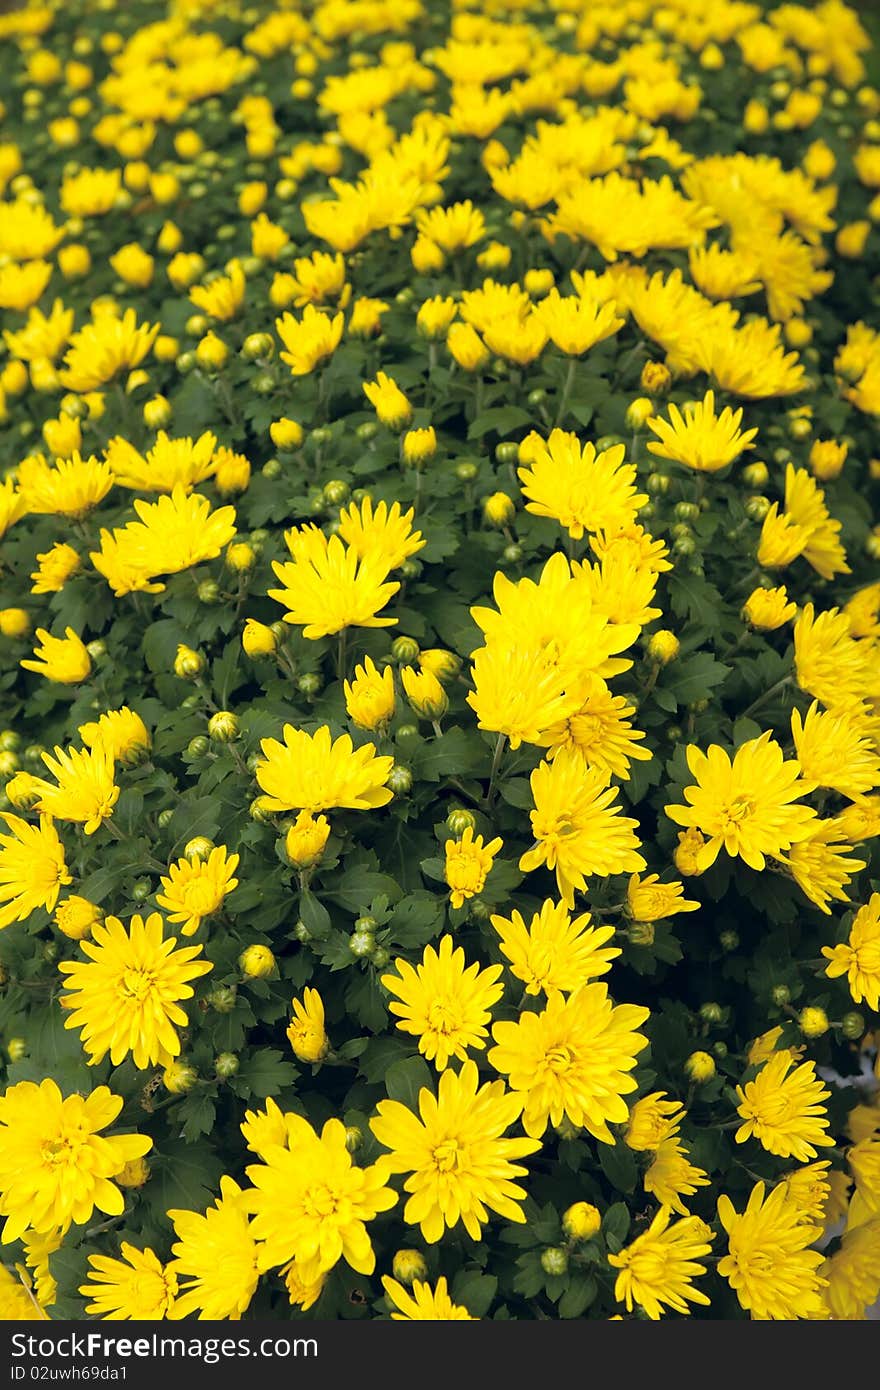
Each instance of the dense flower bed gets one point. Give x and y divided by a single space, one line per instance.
439 660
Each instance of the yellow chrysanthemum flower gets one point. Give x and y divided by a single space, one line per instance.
443 1002
649 900
310 339
576 323
54 568
55 1164
699 438
125 999
122 732
652 1119
599 733
85 789
659 1266
460 1165
43 335
768 609
747 804
72 488
853 1273
328 587
858 958
834 751
306 1033
136 1288
215 1257
785 1113
380 533
467 866
223 298
572 1060
769 1264
581 488
33 869
312 1203
168 464
12 505
578 829
422 1303
671 1175
369 698
314 772
103 348
517 694
196 888
829 662
388 401
555 952
90 192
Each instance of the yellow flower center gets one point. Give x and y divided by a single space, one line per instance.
441 1018
739 810
137 984
586 729
559 1058
448 1155
200 897
321 1202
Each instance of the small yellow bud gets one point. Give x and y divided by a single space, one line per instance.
212 352
409 1265
178 1078
700 1067
663 646
813 1022
258 639
240 557
188 664
581 1221
498 510
135 1173
256 962
14 623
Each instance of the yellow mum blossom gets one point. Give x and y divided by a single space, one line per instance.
769 1264
649 900
443 1002
768 609
28 232
460 1165
56 1166
829 663
104 348
555 952
822 863
582 489
314 772
91 192
468 863
126 998
858 958
215 1257
305 839
306 1033
746 804
310 339
369 698
652 1119
133 265
578 829
85 790
63 659
388 401
422 1303
196 888
43 335
671 1175
699 438
575 323
328 586
32 868
223 298
168 464
835 750
572 1060
54 568
785 1112
72 488
312 1203
121 731
22 285
136 1288
380 532
659 1266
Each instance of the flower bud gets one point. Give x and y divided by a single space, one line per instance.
581 1221
756 474
240 557
781 996
223 726
135 1173
258 639
409 1265
640 933
306 839
638 412
418 446
336 492
443 664
361 943
287 434
199 847
711 1012
75 917
460 820
188 664
813 1022
729 940
16 1049
178 1078
498 510
554 1260
222 998
261 810
404 650
309 684
852 1025
424 692
256 962
15 623
700 1067
257 347
226 1065
663 647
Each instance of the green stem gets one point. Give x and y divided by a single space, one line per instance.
767 695
500 745
566 390
340 653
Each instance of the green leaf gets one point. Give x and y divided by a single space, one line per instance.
581 1292
693 677
615 1222
693 597
183 1175
264 1073
404 1080
454 753
475 1291
197 1114
358 886
619 1166
315 916
416 920
501 419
